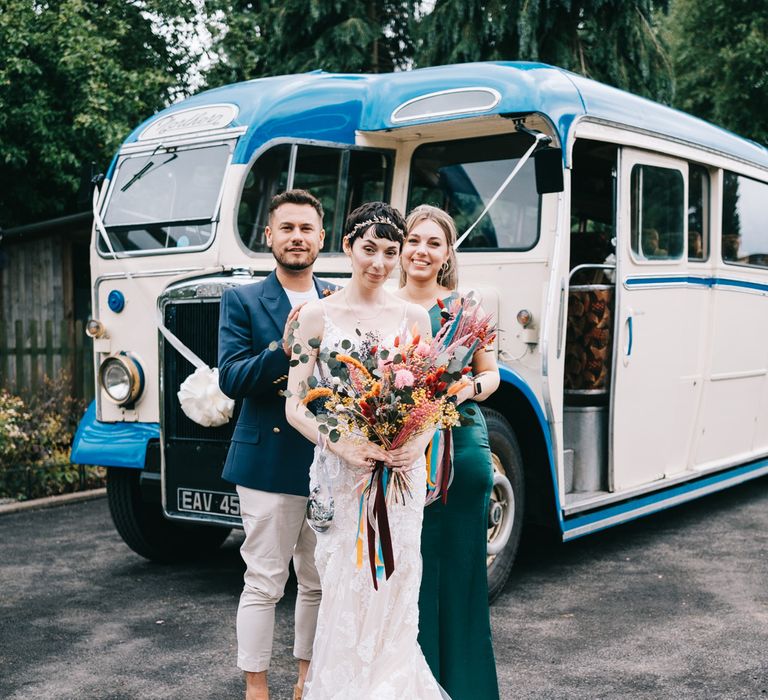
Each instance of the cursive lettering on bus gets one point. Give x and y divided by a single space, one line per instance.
191 120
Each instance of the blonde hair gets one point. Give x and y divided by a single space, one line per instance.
448 275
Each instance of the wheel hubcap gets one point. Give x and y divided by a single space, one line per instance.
501 513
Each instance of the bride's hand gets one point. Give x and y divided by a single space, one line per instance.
403 458
359 455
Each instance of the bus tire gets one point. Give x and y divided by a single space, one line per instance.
505 516
145 529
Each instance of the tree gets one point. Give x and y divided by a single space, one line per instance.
613 41
76 77
274 37
720 55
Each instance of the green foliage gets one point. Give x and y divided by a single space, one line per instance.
275 37
35 442
609 40
76 77
720 55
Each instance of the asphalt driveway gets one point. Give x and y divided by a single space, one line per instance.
670 607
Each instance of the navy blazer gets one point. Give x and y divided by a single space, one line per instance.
265 453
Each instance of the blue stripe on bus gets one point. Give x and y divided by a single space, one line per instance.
699 281
629 510
511 377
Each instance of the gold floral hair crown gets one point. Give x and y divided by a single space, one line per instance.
370 222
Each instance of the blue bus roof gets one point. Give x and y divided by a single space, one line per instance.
331 107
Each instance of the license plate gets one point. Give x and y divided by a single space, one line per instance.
214 502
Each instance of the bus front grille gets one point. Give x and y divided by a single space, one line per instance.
196 324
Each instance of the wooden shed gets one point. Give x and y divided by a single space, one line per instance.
45 301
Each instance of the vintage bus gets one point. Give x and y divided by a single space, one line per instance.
630 283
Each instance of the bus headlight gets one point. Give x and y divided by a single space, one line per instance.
122 378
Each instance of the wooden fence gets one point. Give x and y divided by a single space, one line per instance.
30 351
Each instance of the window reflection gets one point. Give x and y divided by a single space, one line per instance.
744 234
657 213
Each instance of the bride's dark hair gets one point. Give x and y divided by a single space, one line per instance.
384 220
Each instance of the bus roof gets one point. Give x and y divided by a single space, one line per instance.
331 107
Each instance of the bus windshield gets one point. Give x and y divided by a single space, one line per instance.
165 199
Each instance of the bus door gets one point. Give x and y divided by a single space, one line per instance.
661 319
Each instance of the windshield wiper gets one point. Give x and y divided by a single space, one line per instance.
147 168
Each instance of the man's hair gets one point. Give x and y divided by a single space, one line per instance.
296 197
383 220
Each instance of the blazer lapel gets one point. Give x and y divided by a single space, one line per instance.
275 302
322 285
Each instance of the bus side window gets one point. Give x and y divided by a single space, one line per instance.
698 213
657 213
340 178
267 177
461 176
744 237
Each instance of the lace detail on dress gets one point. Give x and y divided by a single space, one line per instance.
366 640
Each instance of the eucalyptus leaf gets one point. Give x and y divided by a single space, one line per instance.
312 381
334 435
294 363
304 358
314 342
346 344
323 428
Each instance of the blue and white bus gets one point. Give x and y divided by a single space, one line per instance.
630 282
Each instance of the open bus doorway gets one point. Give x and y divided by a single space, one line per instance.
591 319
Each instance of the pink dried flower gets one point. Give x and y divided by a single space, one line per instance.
423 349
404 378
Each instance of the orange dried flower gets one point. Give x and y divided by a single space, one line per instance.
317 393
349 360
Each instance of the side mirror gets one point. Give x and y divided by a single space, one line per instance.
549 170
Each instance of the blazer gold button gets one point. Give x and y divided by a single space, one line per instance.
275 429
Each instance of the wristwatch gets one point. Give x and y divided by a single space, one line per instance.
477 387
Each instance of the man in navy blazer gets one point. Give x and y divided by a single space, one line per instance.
267 459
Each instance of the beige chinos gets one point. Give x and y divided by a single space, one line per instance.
276 530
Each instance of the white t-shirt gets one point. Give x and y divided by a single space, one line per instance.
297 298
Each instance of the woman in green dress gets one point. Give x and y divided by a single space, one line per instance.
454 621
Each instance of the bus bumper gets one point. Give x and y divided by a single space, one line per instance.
112 444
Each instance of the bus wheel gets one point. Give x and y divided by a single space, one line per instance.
146 531
505 514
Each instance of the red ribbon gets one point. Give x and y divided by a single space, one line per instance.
446 466
379 514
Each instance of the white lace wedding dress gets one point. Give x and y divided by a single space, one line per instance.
365 646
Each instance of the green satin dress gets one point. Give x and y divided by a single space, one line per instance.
454 620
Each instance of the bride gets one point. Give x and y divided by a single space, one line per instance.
366 640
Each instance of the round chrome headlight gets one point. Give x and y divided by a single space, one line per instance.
122 378
95 328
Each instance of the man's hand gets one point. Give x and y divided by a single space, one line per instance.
287 332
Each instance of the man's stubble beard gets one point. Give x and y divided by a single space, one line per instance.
293 267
